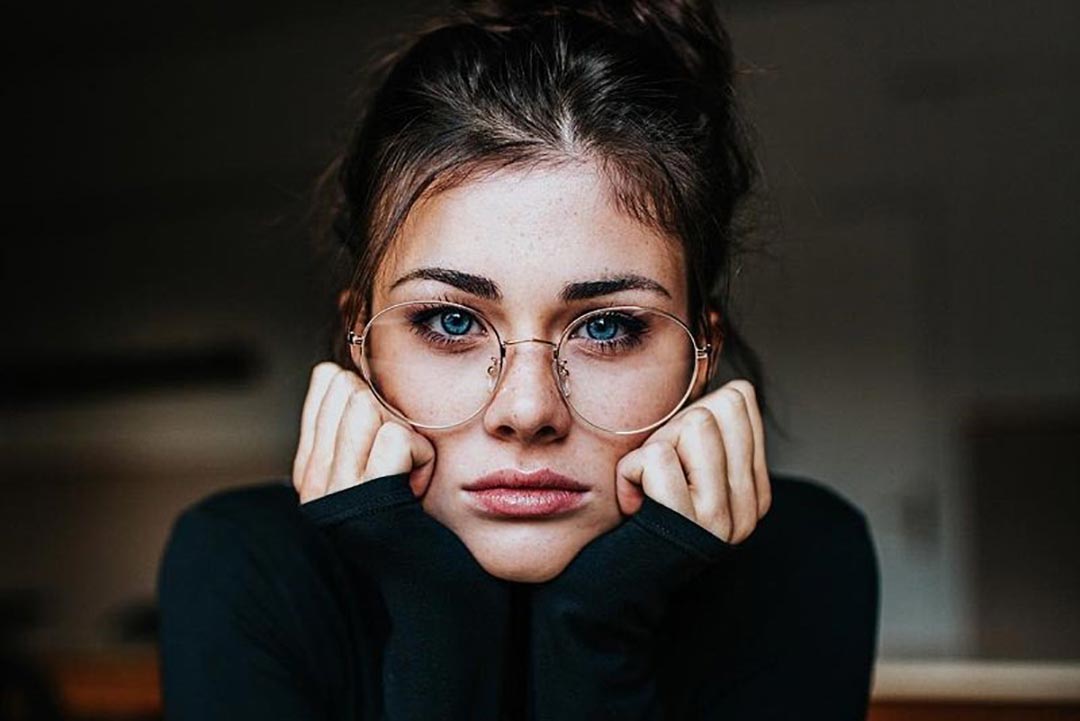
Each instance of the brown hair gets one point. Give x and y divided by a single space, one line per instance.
642 89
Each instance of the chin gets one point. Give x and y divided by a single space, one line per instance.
514 569
525 554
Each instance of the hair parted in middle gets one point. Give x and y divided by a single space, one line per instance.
643 90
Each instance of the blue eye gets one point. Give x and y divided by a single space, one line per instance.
611 333
445 327
455 322
602 328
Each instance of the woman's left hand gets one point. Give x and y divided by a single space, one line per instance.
707 462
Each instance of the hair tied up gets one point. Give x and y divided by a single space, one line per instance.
690 30
644 89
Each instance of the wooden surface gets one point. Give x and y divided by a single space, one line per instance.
978 681
913 711
114 685
125 685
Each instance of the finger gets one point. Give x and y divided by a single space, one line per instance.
397 449
321 375
317 474
656 469
738 437
761 469
355 435
701 450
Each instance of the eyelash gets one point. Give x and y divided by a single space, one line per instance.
418 322
634 329
462 300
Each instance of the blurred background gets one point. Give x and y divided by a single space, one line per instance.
918 310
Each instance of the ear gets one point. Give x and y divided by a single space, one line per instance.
344 298
714 334
343 308
715 330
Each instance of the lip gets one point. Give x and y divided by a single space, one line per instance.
513 493
542 478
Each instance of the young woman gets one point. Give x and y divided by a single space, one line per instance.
520 489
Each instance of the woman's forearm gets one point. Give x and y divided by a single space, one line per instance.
448 618
594 627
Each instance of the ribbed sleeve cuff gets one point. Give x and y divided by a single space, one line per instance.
366 498
672 526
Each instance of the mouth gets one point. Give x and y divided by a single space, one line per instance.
511 493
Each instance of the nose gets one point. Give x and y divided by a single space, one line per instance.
527 406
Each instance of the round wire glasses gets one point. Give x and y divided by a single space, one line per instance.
436 364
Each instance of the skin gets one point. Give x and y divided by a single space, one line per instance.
531 232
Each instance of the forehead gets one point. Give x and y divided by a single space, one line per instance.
532 232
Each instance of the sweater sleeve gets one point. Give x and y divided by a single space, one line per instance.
448 617
788 629
594 628
357 605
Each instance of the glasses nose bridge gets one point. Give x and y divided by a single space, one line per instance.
518 341
530 340
554 358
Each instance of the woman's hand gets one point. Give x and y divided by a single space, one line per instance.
707 462
347 438
598 624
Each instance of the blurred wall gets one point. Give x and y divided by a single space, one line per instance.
921 159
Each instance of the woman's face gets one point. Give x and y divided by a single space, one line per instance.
529 235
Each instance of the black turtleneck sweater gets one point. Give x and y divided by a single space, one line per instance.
360 606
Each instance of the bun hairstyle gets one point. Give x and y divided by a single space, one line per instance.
643 89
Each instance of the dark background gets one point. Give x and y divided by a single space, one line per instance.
920 319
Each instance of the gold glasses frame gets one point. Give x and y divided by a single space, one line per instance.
499 365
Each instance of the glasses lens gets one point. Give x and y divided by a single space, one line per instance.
626 369
435 363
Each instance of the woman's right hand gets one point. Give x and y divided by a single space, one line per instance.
347 438
444 636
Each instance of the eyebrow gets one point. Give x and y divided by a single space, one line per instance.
488 289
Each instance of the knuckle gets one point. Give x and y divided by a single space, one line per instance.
360 407
393 432
699 418
344 381
324 369
744 386
657 452
342 384
732 400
